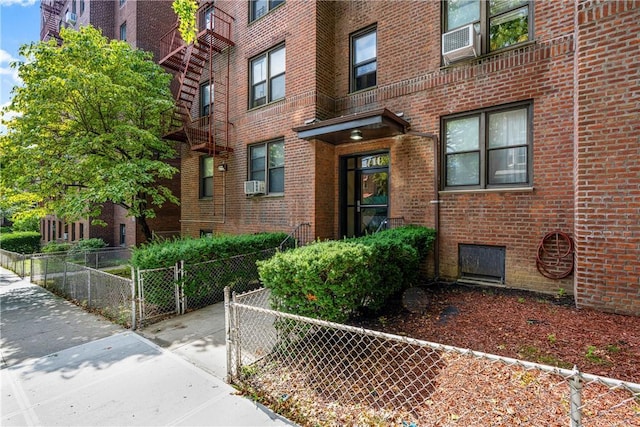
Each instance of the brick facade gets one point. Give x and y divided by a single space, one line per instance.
579 73
607 156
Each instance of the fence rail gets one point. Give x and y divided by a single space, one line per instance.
336 374
14 261
185 287
112 296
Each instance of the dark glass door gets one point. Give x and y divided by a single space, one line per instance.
365 189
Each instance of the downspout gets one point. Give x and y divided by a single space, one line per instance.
436 201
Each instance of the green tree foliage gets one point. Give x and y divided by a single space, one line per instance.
186 11
87 128
21 208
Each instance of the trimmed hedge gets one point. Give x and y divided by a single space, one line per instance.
24 242
55 247
192 251
333 280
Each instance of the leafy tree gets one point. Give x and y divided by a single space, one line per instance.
87 128
21 208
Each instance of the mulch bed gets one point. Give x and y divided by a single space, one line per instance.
522 325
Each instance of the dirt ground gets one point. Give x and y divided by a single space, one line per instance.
518 324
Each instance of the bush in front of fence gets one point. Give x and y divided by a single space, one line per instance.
333 280
23 242
192 251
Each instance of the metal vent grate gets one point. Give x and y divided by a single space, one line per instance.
482 263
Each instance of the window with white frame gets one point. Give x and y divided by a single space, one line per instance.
364 59
206 177
267 77
259 8
488 148
266 163
501 23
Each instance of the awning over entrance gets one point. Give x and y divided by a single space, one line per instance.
355 127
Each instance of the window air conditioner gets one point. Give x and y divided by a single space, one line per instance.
461 43
70 18
253 187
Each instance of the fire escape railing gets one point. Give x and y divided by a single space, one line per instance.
208 133
51 19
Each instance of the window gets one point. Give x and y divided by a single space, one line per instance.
52 236
266 163
81 231
122 2
490 148
81 7
207 21
206 233
73 6
206 98
259 8
73 232
502 23
123 32
267 77
364 62
123 234
206 176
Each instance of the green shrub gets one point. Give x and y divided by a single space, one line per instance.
333 280
24 242
5 230
85 245
52 247
192 251
327 280
27 224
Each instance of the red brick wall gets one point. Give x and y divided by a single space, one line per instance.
411 80
607 181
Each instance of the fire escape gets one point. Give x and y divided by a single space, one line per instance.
208 56
51 19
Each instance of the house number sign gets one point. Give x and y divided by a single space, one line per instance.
376 161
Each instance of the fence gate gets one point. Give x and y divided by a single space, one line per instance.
158 293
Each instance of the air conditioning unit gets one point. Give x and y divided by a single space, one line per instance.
253 187
461 43
70 18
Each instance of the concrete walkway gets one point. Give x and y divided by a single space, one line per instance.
64 366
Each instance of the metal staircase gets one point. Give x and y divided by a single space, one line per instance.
208 56
51 19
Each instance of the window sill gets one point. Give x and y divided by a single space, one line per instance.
268 104
357 92
265 196
487 56
488 190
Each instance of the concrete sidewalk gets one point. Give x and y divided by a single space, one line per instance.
63 366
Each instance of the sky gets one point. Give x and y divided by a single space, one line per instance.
19 24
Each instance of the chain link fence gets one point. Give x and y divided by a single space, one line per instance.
18 263
323 373
185 287
110 295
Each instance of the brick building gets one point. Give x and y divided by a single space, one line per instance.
511 127
141 24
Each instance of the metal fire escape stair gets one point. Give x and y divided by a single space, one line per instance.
209 133
51 16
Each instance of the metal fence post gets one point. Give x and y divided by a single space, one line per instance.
141 296
183 301
176 287
133 298
88 288
227 328
575 384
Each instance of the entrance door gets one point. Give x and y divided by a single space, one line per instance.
365 190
